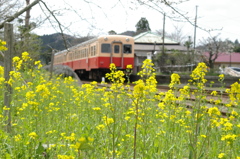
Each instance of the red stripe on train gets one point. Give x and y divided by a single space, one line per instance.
100 63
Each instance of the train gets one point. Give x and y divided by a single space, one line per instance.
91 59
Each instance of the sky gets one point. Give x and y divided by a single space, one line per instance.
81 18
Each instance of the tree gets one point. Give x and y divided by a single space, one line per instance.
189 44
160 60
112 32
176 36
236 46
11 17
27 17
8 8
213 46
28 42
25 40
142 26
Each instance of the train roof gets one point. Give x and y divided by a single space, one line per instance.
90 41
76 46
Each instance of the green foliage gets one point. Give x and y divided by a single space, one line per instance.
174 57
112 32
28 42
142 26
58 119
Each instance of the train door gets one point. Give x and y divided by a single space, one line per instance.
117 54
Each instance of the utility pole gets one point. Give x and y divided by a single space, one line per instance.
194 42
163 33
195 27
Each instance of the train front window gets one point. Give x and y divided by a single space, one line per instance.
127 49
105 48
116 48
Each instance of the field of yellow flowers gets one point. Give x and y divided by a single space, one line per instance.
56 119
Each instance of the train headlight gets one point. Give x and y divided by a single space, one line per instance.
127 39
105 38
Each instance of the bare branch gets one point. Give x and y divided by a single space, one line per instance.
213 47
59 24
8 7
9 19
154 5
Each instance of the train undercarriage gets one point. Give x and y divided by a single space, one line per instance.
96 75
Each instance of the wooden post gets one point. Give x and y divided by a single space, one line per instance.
8 37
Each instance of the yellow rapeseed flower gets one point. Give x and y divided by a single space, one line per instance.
229 137
221 77
96 108
38 64
25 56
33 135
203 136
107 120
129 66
214 111
221 155
175 79
100 127
214 93
2 47
17 137
65 157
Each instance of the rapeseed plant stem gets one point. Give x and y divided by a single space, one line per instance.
124 124
135 131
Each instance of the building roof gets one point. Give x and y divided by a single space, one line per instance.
150 37
143 47
227 57
129 33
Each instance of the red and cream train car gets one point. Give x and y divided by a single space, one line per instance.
91 59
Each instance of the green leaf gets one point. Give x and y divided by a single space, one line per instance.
8 156
40 149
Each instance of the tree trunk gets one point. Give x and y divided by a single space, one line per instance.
211 65
27 18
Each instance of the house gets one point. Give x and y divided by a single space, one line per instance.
226 60
148 43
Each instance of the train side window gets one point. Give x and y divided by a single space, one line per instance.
94 50
105 48
127 49
116 48
92 53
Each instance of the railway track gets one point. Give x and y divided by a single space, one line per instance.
191 101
